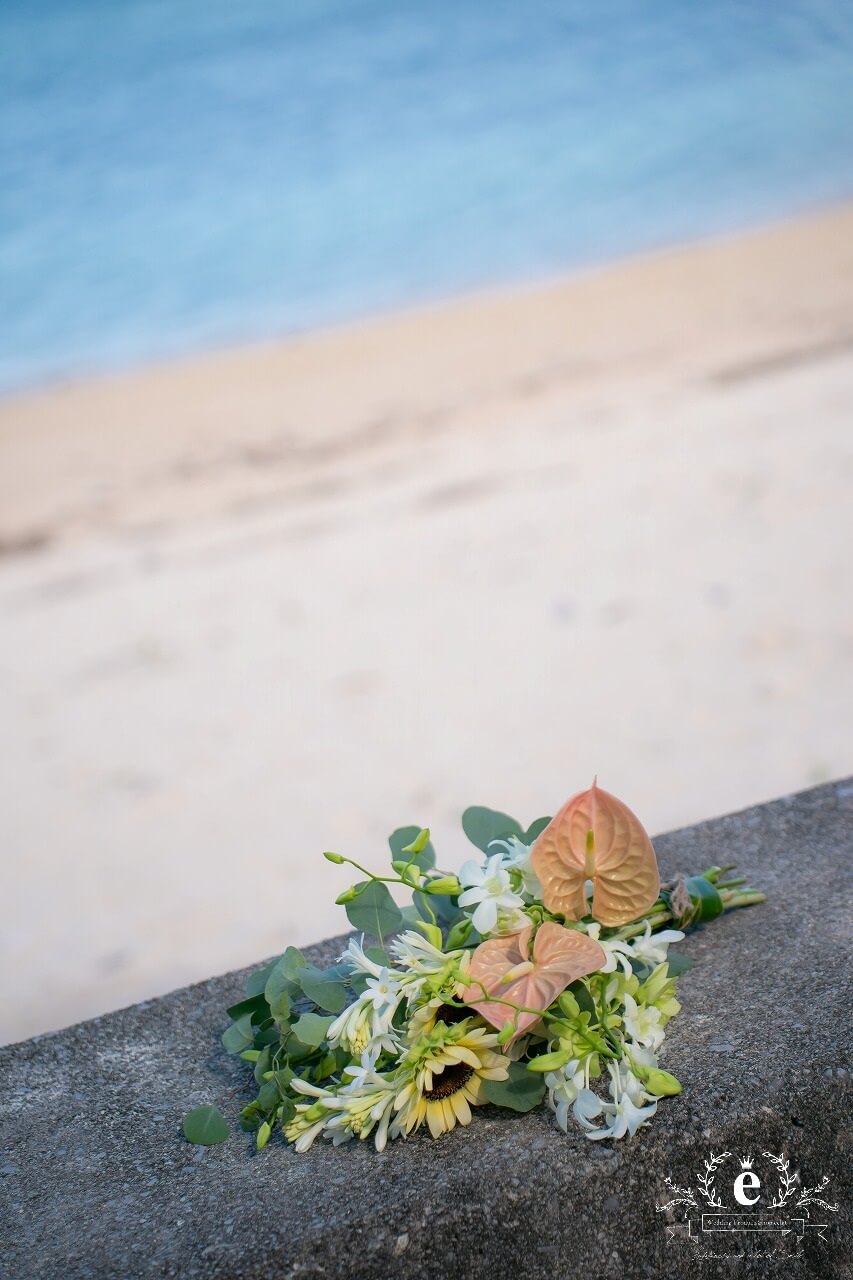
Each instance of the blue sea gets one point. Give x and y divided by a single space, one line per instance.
190 174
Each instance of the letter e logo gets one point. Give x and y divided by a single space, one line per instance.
742 1181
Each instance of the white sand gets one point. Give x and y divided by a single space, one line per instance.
290 597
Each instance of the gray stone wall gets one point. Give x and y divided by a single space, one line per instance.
96 1179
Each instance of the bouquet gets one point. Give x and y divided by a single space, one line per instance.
540 971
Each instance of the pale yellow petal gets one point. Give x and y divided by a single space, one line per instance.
449 1114
460 1106
435 1119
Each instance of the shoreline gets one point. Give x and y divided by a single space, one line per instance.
106 412
286 599
533 283
98 441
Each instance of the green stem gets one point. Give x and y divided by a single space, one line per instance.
745 898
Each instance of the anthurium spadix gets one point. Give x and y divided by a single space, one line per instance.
504 967
596 837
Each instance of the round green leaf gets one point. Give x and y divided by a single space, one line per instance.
677 964
482 826
521 1091
535 830
311 1029
283 977
374 911
206 1126
256 981
239 1036
253 1005
324 987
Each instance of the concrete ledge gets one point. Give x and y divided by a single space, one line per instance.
97 1181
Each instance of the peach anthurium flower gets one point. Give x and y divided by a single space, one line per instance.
503 967
596 837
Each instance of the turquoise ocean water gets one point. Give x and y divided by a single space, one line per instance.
181 175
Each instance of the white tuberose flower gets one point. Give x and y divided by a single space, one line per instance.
359 962
367 1023
420 956
490 892
383 992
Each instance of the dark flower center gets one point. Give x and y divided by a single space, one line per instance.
451 1080
451 1013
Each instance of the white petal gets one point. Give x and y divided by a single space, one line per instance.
471 872
486 916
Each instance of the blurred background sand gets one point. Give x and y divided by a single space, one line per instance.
284 598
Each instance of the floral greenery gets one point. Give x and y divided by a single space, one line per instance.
388 1040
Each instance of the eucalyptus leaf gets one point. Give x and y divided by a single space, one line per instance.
256 981
252 1004
284 976
677 963
280 1007
374 911
296 1050
267 1035
521 1091
325 986
283 1077
482 826
535 830
311 1028
239 1036
263 1063
268 1096
206 1126
403 836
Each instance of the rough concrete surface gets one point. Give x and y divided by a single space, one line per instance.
96 1179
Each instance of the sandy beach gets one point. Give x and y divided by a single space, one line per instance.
265 602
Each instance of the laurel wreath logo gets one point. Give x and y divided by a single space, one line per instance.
791 1192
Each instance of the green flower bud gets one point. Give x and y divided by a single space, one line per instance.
447 885
550 1061
348 895
459 934
569 1005
661 1083
419 843
337 858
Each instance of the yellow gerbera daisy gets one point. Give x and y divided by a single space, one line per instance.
449 1066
